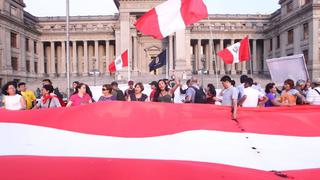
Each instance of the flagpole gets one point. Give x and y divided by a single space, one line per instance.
68 45
216 59
167 64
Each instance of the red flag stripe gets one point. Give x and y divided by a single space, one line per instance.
193 11
153 119
148 24
32 167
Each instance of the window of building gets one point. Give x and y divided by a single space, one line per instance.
290 7
306 55
36 67
13 11
290 36
278 42
27 45
28 65
305 31
271 45
14 40
14 63
35 47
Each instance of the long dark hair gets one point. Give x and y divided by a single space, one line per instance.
79 86
158 90
212 90
269 87
6 86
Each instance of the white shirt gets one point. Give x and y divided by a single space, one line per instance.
253 97
313 97
13 102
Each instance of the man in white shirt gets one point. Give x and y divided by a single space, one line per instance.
252 96
313 96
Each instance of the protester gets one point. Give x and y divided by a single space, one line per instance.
313 96
194 93
300 87
138 95
184 91
252 96
81 97
240 88
55 91
229 95
273 96
163 93
74 86
117 92
153 85
130 89
107 94
211 94
289 94
48 99
28 95
11 100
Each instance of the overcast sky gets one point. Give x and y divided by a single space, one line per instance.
107 7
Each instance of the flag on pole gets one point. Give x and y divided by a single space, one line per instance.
119 62
155 141
159 61
237 52
171 16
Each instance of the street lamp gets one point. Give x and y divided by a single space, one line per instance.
203 71
94 72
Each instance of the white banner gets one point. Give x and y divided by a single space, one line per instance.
290 67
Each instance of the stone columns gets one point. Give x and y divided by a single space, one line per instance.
32 57
254 56
283 43
22 59
108 60
135 53
265 54
314 49
199 52
6 53
85 58
222 68
75 58
96 54
210 58
63 59
52 59
171 54
297 40
40 47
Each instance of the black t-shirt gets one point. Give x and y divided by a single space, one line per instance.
142 99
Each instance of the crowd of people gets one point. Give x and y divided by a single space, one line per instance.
16 96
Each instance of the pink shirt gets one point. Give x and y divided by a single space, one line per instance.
78 101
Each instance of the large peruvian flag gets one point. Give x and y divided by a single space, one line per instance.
119 62
122 140
237 52
171 16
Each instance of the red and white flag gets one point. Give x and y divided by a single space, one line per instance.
171 16
237 52
123 140
119 63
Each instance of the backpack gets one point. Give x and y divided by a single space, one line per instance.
200 96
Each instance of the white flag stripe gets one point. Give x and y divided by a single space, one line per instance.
276 152
118 63
234 50
169 17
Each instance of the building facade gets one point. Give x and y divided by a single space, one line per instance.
35 47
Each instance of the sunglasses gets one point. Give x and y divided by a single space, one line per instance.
104 89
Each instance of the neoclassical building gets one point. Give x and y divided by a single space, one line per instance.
35 47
